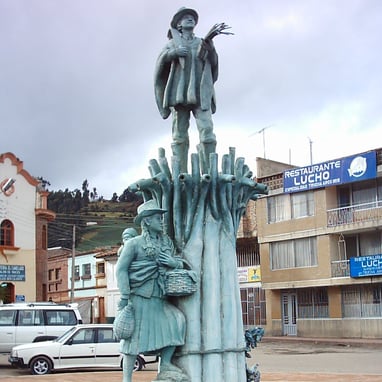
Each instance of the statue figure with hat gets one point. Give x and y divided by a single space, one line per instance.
200 211
186 71
158 325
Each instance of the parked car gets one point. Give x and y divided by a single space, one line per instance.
83 346
22 323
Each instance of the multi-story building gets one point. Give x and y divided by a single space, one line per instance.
58 276
253 301
90 283
23 241
320 237
112 296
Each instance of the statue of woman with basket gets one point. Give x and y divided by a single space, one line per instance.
147 322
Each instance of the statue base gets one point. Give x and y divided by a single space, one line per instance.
171 376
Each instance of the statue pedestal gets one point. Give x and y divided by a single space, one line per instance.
203 215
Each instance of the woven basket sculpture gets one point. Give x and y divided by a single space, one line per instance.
180 282
123 325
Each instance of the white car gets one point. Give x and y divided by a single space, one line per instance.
21 323
83 346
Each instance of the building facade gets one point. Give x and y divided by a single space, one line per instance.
23 242
253 300
320 237
90 287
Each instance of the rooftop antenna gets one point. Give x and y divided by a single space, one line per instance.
310 150
263 132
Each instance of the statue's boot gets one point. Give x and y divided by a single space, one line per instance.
128 366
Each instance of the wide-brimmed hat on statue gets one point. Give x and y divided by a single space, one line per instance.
147 209
183 11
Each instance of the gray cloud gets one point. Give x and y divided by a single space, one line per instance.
76 94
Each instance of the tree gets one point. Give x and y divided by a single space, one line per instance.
85 193
114 198
44 183
128 196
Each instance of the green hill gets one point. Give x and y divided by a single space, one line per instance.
100 224
105 222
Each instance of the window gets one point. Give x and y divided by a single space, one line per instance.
370 243
247 252
50 274
60 317
302 204
312 303
7 233
31 318
364 192
290 206
106 335
86 271
76 272
293 253
83 336
278 208
253 306
7 317
58 273
362 301
359 193
364 244
101 268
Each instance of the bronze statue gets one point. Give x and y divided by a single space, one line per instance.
203 212
186 71
158 325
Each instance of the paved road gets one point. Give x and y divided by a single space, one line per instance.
279 360
317 357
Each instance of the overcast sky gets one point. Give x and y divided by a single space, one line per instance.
76 83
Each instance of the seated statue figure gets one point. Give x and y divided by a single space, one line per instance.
159 326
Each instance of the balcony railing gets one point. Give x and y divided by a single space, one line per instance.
355 214
341 268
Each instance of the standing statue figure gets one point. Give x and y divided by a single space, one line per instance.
158 325
186 71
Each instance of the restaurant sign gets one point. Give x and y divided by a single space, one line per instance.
338 171
364 266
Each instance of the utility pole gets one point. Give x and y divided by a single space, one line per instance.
73 264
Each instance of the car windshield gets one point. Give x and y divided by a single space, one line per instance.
66 335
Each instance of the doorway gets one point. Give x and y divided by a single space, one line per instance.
289 313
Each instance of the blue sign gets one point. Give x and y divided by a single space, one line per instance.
366 266
12 272
339 171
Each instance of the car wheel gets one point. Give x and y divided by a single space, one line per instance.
139 363
41 365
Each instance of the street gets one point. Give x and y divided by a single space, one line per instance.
317 357
279 360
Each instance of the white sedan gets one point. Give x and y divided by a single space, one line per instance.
83 346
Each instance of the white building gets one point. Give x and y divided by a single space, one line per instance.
23 241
